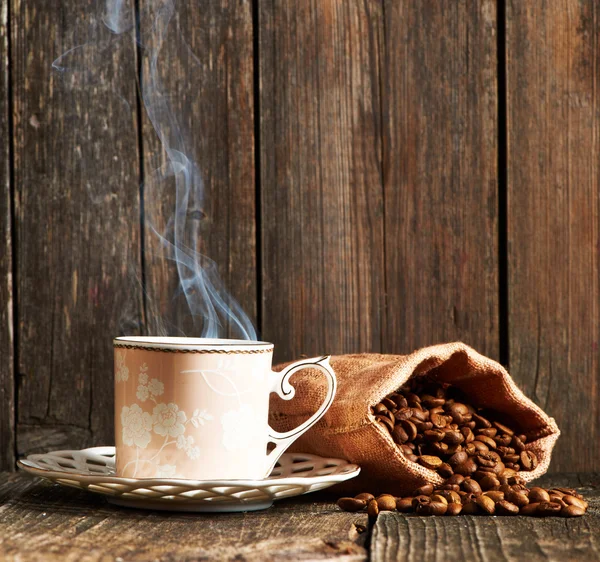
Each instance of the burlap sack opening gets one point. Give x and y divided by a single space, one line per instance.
349 430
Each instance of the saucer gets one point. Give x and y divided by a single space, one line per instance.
94 470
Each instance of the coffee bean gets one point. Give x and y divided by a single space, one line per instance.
489 432
399 400
351 504
422 508
517 443
399 435
450 495
420 415
434 435
572 511
455 479
445 470
471 486
496 495
546 509
468 434
404 505
452 487
519 498
511 461
538 495
486 504
438 420
530 509
431 508
454 508
503 428
466 468
572 500
431 401
568 491
458 458
479 457
389 404
373 508
386 502
497 469
457 408
487 441
528 460
470 508
488 482
557 499
508 473
429 461
425 490
481 421
488 460
504 507
403 414
438 508
418 500
453 437
379 408
439 448
410 428
439 498
384 421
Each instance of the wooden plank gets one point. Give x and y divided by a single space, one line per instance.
321 176
401 537
77 215
204 72
440 162
7 390
553 70
41 521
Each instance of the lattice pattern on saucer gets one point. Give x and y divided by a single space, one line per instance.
93 470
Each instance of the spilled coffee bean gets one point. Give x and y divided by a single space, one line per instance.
477 452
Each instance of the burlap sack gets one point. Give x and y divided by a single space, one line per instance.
349 430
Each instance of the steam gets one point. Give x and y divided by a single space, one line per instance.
214 312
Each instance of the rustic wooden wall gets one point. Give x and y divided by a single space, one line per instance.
553 67
381 175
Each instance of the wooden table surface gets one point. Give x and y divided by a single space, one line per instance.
42 521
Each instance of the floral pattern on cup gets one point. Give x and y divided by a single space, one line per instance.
167 420
236 432
121 369
136 426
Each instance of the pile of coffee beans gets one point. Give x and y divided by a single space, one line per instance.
476 452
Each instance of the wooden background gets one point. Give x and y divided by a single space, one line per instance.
382 175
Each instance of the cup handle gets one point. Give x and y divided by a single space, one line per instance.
286 391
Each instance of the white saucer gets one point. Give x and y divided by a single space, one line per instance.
93 470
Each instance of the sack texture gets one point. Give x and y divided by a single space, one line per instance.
349 430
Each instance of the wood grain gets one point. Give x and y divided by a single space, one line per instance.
321 176
401 537
205 73
41 521
77 215
440 172
553 200
7 412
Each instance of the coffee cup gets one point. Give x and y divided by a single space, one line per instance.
195 408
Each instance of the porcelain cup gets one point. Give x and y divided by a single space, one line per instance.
196 408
